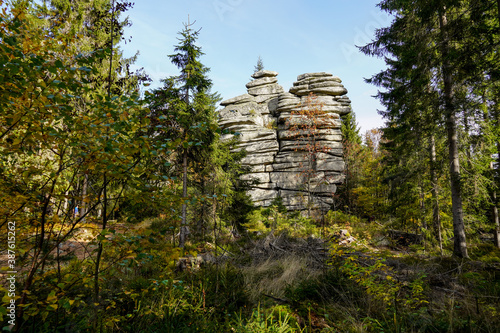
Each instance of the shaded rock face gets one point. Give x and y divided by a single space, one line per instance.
277 154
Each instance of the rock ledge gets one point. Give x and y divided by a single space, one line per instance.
277 152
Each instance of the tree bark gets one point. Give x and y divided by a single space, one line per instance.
422 205
496 177
496 220
201 217
84 196
183 234
496 173
460 244
435 195
184 228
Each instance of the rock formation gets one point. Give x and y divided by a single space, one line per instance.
277 155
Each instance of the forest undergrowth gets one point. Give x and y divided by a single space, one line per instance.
125 209
268 281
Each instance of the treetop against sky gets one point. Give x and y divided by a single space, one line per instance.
291 37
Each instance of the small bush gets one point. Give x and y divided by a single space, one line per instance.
277 319
340 218
265 220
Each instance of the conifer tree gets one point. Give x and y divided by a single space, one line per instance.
259 66
352 149
427 44
350 128
187 109
443 73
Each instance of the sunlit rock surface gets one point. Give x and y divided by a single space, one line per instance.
277 153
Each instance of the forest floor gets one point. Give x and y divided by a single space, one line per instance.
347 281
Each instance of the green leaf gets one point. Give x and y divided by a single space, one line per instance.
52 296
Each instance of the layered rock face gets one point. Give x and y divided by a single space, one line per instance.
274 132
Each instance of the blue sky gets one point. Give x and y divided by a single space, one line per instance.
292 37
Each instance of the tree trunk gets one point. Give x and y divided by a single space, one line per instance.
460 245
184 228
496 173
496 221
201 217
496 176
84 197
435 195
100 246
422 204
214 216
183 234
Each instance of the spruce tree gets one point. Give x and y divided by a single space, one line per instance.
185 108
350 129
433 53
259 66
351 141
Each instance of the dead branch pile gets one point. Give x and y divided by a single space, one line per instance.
274 247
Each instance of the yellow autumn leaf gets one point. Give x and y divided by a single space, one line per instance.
5 299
